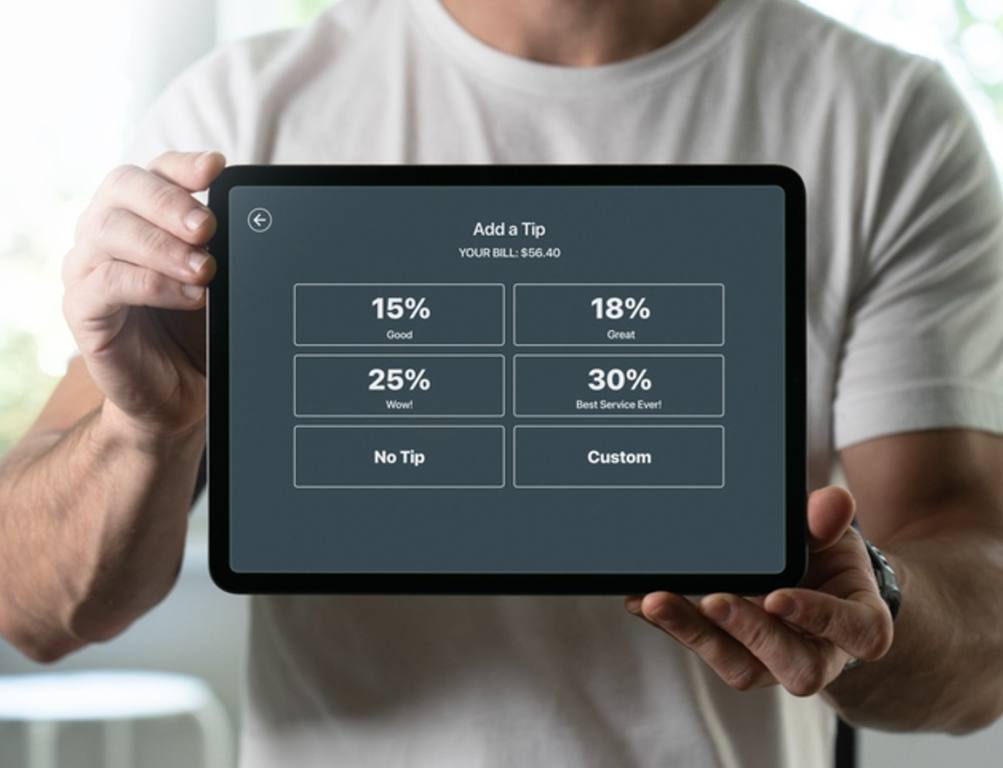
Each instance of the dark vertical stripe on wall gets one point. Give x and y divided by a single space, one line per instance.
846 745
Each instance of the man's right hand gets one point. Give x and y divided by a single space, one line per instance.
135 291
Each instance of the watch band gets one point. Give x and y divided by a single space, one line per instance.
888 587
884 574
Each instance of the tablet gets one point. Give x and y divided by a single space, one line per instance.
507 379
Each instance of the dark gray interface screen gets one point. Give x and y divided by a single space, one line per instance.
506 379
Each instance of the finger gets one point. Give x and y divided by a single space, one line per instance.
633 602
682 620
125 236
193 171
160 202
798 663
860 625
116 284
830 512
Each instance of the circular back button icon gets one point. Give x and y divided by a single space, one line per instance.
259 220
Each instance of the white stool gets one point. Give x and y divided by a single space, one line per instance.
115 699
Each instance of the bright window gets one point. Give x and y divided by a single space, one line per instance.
72 98
59 133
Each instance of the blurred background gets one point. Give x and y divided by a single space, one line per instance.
72 102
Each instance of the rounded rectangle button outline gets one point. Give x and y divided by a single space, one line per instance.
515 396
515 311
398 415
515 466
504 316
497 427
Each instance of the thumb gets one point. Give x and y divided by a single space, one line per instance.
830 511
193 171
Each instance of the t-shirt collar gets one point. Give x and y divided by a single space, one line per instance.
559 80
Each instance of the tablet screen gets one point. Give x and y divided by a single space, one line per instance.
526 379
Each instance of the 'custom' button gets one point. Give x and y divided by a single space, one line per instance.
619 457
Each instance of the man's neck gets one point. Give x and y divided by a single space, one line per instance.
580 33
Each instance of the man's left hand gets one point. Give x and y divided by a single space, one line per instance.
800 638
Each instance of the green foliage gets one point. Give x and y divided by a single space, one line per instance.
23 386
966 20
307 9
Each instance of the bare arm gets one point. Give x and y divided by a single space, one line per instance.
933 501
94 499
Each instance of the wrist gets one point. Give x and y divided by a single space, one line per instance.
115 428
133 543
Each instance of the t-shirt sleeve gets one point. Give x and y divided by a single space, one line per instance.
923 346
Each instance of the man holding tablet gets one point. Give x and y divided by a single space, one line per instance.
905 367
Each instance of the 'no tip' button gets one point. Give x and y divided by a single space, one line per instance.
259 220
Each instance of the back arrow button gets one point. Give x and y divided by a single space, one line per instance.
259 220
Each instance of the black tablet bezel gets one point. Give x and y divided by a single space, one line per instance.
514 583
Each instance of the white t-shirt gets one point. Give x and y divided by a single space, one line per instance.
905 311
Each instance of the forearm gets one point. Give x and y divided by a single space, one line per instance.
944 670
92 526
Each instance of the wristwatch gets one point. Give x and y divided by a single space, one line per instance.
888 587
